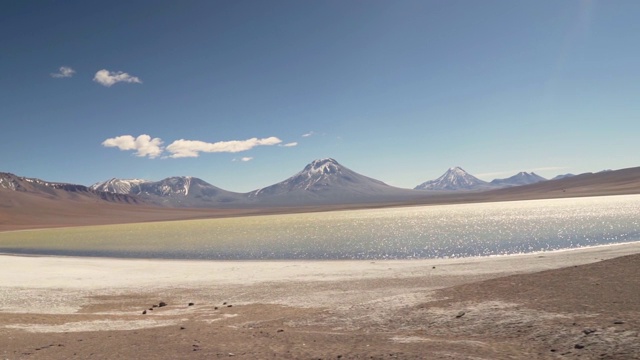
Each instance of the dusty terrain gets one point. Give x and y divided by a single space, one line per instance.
567 304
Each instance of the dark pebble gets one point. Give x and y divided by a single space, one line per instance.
162 304
553 350
191 304
224 303
433 267
182 327
229 305
588 331
144 312
579 346
215 308
618 322
460 314
154 305
280 330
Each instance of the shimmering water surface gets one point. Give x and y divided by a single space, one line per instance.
395 233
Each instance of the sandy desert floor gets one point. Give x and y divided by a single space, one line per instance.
560 305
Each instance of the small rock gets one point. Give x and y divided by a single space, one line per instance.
578 346
144 312
182 327
588 331
619 322
191 304
162 304
280 330
224 303
151 308
229 305
433 267
215 308
154 305
553 350
460 314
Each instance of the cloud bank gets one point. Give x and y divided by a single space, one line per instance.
192 148
108 78
63 72
143 145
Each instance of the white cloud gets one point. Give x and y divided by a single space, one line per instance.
108 78
246 158
192 148
144 145
308 134
291 144
63 72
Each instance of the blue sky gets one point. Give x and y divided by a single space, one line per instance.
243 94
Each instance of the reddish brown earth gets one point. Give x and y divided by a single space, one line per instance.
588 311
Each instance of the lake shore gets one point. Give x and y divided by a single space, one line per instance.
563 304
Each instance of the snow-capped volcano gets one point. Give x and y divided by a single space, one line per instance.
521 178
455 179
327 181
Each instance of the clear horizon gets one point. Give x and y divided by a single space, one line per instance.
244 94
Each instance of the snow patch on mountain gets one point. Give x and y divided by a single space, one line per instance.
120 186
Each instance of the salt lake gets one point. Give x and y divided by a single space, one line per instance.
442 231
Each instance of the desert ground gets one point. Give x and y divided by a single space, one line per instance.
582 303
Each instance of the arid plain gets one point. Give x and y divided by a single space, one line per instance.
566 304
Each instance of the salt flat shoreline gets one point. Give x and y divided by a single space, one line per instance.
91 305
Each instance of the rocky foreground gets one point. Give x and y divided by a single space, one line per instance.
563 305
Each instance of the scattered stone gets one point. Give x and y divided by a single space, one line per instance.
280 330
215 308
224 303
151 308
162 304
433 267
154 305
619 322
182 327
553 350
229 305
144 312
191 304
578 346
460 314
588 331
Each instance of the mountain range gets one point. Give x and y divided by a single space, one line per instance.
321 182
322 185
456 179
